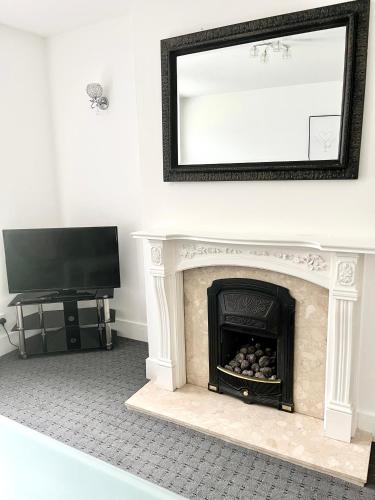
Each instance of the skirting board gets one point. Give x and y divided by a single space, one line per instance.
134 330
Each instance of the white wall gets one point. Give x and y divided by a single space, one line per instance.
97 153
29 196
270 124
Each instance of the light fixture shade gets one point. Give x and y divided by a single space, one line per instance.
276 46
94 90
264 56
286 53
263 50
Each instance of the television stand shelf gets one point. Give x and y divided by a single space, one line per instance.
68 329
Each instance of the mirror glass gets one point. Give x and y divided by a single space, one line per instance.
267 101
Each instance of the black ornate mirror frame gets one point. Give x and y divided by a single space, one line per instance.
354 15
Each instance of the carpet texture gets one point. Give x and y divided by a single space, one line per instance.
79 400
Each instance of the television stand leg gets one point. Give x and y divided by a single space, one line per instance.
107 321
108 337
99 308
21 332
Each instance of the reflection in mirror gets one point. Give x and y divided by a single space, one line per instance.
268 101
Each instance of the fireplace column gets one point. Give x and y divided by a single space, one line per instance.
165 316
342 327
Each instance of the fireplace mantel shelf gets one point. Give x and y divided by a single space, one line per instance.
325 243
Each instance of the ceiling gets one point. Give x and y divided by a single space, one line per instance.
316 56
50 17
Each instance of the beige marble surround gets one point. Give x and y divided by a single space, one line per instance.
310 330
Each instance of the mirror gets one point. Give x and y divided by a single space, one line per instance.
275 98
278 99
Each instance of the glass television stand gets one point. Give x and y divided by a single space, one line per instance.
66 328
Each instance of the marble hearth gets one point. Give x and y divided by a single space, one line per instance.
325 278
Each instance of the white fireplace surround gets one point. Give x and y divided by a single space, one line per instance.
336 267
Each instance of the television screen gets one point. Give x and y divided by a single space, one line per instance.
61 259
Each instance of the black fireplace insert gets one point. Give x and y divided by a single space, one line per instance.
251 341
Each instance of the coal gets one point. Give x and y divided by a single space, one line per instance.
255 367
251 358
267 371
233 363
264 361
244 364
253 361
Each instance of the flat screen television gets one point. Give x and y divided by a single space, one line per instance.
58 259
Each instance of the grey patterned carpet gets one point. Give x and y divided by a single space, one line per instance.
79 400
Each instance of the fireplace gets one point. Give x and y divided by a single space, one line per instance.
251 341
334 265
325 280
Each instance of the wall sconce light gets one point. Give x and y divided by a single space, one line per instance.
95 92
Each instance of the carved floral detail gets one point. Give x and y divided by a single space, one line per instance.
346 273
191 251
156 256
312 261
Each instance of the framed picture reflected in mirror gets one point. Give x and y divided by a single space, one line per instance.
324 137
